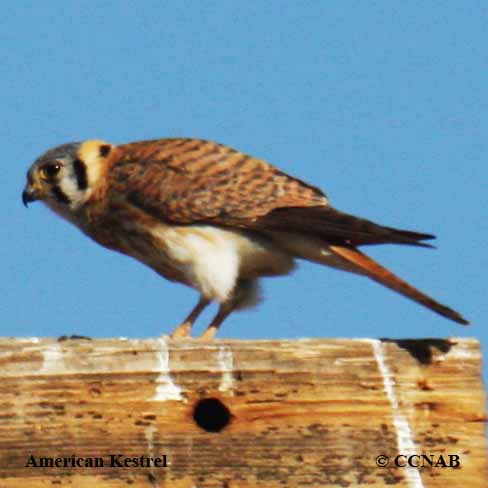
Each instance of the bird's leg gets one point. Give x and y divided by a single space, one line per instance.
184 329
245 295
222 314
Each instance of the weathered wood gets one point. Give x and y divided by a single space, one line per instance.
302 413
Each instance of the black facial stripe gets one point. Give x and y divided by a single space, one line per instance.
105 150
80 173
60 195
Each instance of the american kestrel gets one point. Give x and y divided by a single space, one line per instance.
213 218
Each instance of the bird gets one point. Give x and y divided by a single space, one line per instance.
210 217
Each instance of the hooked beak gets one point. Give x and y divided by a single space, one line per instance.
30 194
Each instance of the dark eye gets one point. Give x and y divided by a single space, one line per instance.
50 170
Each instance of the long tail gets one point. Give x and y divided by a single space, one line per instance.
381 275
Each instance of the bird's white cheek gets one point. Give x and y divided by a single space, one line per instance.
76 196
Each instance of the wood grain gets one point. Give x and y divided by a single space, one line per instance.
303 413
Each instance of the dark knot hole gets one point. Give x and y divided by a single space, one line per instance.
211 414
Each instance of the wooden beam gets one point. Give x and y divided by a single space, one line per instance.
232 413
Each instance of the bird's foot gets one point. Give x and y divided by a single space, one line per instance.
182 331
209 334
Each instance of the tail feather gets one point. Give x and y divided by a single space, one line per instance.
381 275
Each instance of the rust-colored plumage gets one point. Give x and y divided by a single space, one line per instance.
208 216
187 180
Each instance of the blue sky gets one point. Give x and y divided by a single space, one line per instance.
381 104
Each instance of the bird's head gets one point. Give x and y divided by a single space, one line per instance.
64 176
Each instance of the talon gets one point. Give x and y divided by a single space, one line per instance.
208 335
182 331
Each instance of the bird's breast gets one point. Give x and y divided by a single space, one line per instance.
208 258
213 259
